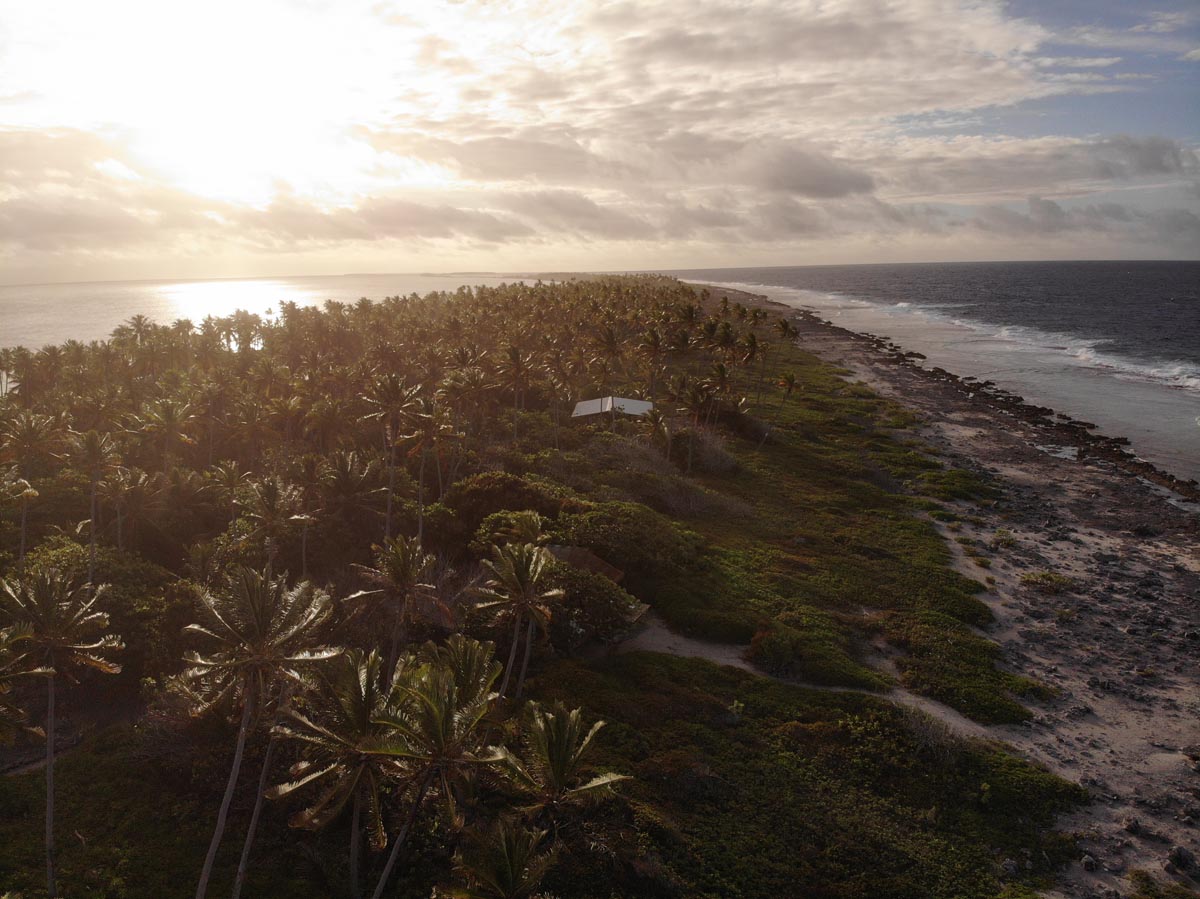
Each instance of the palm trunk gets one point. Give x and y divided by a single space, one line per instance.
24 529
230 787
402 836
304 549
251 831
355 845
421 497
394 649
120 538
387 527
51 884
525 661
512 654
92 548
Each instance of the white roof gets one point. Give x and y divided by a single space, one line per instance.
611 403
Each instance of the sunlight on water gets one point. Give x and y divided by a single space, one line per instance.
196 300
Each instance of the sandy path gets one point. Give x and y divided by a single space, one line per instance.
1121 647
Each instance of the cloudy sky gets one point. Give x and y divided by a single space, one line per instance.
268 137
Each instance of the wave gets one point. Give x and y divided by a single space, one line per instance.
1076 349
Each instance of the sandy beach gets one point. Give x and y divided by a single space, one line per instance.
1119 642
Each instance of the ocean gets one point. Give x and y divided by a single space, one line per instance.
1115 343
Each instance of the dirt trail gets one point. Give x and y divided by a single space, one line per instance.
655 636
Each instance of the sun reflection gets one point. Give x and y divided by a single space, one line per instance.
196 300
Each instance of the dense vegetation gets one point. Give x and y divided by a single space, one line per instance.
284 585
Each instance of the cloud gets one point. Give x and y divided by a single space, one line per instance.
792 169
1042 217
517 127
965 169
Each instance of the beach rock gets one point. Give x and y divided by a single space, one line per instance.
1089 863
1182 858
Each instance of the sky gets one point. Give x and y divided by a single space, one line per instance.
170 139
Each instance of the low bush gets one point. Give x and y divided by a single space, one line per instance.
647 546
807 644
1049 582
474 498
593 608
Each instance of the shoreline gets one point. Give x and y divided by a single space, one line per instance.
1060 429
1118 645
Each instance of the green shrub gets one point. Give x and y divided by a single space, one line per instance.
1049 582
647 546
806 644
474 498
147 607
594 608
954 483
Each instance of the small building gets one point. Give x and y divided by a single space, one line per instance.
611 404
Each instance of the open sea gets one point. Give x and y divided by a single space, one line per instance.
1116 343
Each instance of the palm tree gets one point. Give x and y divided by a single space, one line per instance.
437 723
504 863
348 488
516 590
260 632
660 430
515 370
229 478
18 488
401 567
63 627
13 664
95 454
136 498
548 768
391 400
341 734
26 439
789 383
271 507
166 423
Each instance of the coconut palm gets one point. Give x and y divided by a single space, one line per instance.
166 423
136 498
94 454
349 488
515 370
341 735
391 400
15 487
548 768
13 665
430 423
789 383
259 634
25 440
65 634
504 863
517 590
437 723
271 507
398 583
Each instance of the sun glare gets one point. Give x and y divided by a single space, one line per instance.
235 101
196 300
